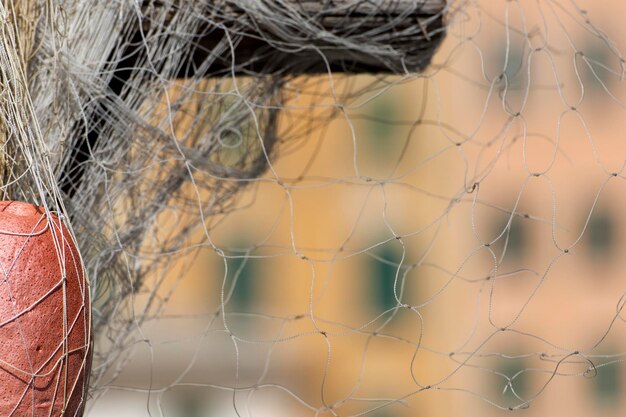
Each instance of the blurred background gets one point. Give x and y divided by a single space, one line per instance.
449 244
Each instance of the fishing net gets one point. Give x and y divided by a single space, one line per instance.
292 208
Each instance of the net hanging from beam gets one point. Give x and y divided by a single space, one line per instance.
291 208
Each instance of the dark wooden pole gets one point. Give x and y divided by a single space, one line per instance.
405 34
349 36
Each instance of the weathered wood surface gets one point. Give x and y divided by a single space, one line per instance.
401 35
263 38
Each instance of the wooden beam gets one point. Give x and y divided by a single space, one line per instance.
353 36
270 37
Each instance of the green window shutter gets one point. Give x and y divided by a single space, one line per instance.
606 384
600 234
242 272
382 270
512 382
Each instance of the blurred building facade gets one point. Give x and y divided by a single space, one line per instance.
378 259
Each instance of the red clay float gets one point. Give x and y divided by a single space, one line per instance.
44 316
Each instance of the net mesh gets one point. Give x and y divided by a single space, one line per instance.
269 230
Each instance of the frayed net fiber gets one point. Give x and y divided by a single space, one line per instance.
116 112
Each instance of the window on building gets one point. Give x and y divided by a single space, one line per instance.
512 383
379 133
595 65
241 274
385 134
187 403
381 270
512 244
600 234
382 114
191 407
606 384
515 72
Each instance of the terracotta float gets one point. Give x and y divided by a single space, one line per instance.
44 316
